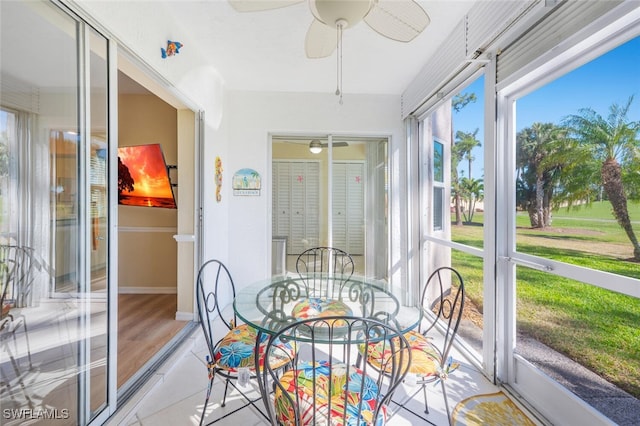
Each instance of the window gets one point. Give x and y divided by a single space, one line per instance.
453 233
438 162
438 205
577 220
8 175
438 186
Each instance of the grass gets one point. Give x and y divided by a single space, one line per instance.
597 210
593 326
598 328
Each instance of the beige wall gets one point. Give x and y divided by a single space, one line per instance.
147 252
286 150
187 262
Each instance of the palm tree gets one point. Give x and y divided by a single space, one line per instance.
456 156
539 158
611 141
458 102
472 191
466 142
125 181
461 149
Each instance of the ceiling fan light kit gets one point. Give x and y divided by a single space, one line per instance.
336 13
315 147
400 20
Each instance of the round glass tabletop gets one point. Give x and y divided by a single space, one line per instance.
271 304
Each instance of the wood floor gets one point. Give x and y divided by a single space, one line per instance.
146 322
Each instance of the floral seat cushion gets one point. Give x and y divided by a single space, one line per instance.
236 350
322 308
425 358
315 307
327 395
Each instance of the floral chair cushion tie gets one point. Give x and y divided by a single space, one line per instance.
236 350
425 357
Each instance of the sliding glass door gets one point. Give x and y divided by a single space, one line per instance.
572 252
53 200
358 202
332 191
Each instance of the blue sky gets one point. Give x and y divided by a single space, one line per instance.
610 78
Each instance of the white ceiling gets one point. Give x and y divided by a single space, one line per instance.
264 50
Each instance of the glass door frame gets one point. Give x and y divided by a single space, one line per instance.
84 185
370 225
78 372
513 369
85 233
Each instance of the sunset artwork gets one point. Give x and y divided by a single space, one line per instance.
143 179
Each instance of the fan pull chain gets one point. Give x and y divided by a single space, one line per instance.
339 26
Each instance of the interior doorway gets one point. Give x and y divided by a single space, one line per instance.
155 304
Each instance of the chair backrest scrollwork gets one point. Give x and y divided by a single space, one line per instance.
324 269
325 384
214 281
442 305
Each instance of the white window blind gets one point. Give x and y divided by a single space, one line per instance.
561 23
19 95
484 23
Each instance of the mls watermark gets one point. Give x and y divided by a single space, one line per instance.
35 413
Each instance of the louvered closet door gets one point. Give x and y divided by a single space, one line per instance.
297 221
281 198
348 207
312 204
296 203
340 206
355 208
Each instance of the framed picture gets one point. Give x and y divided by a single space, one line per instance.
143 177
246 182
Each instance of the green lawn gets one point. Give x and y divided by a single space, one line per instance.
596 327
597 210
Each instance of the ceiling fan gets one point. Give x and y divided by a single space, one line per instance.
400 20
316 145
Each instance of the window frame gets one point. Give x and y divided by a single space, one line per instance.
552 400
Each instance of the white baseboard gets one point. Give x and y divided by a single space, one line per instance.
184 316
147 290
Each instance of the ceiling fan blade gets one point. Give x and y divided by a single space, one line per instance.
335 144
400 20
258 5
321 40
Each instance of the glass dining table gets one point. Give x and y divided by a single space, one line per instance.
272 304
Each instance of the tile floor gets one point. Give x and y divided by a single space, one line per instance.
175 395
